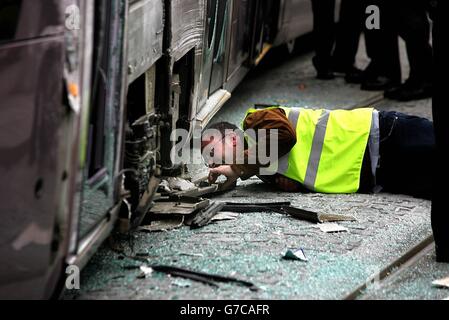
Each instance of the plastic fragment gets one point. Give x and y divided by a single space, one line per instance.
442 283
146 271
295 254
332 228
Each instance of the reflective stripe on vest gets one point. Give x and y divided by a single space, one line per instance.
330 147
374 143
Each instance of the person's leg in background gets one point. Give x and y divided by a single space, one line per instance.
349 30
384 70
324 37
414 27
440 211
407 151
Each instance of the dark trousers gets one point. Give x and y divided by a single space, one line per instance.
413 26
407 154
440 212
345 35
382 45
408 19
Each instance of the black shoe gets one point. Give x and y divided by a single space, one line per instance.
410 90
378 83
324 72
351 74
354 75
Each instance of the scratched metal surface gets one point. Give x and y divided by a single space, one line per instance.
186 25
145 36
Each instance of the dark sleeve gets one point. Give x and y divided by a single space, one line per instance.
268 119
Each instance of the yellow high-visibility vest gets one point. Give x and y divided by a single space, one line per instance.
329 150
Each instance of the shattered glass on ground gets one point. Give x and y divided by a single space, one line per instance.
251 246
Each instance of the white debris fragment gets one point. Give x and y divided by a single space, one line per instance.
295 254
165 186
332 227
225 216
443 283
146 271
180 184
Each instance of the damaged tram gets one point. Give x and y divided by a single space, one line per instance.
90 93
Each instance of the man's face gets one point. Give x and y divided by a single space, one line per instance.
218 151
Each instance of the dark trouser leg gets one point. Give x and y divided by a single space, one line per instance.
440 211
324 32
414 28
349 29
407 152
382 44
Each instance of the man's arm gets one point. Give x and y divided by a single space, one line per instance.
267 119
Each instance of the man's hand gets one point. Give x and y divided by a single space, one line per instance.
226 171
287 184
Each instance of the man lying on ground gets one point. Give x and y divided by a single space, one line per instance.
328 151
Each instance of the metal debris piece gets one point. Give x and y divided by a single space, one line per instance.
206 189
189 218
145 202
302 214
295 254
199 192
206 278
332 228
315 216
442 283
286 208
254 206
179 205
163 225
204 217
176 183
224 215
146 271
164 187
